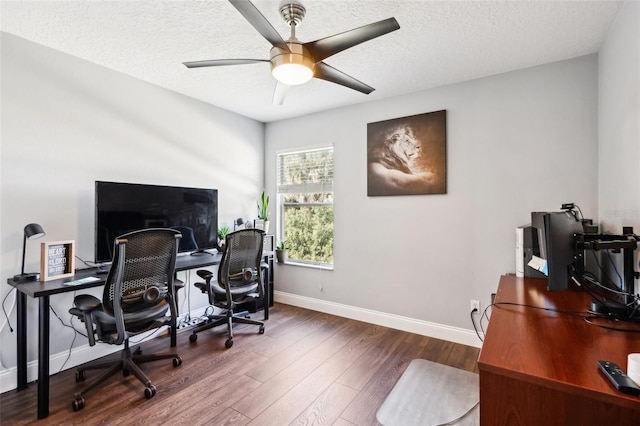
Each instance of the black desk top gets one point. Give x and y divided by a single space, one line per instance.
47 288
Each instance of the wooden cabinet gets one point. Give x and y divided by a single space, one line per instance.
538 363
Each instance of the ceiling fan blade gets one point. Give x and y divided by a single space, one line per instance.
328 73
260 23
280 92
221 62
325 47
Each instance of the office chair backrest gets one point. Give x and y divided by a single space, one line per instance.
240 264
143 269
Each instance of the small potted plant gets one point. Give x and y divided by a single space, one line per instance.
222 236
263 212
282 252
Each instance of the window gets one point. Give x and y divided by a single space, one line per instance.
305 203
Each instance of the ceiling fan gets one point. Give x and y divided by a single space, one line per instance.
293 62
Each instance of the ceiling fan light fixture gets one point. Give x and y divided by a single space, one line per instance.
292 74
291 68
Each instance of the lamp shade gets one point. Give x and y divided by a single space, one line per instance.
33 231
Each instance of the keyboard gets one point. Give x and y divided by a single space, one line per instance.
82 281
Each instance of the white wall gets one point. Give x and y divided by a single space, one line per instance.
619 123
516 143
67 123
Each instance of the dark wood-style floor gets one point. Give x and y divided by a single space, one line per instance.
309 368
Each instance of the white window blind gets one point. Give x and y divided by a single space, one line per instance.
306 171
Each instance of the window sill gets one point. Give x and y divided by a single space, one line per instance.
307 265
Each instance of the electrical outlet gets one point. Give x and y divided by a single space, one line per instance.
474 305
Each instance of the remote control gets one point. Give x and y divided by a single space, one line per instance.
618 378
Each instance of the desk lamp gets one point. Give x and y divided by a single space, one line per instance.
31 232
237 223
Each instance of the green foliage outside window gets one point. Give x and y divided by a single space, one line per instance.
309 232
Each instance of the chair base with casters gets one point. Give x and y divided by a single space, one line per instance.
128 363
228 317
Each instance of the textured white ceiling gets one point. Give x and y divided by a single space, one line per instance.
439 42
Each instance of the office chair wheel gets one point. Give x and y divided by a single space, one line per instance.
138 351
228 343
177 361
261 331
77 404
81 375
149 391
193 338
125 372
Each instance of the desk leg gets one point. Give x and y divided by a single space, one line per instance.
267 300
21 337
43 358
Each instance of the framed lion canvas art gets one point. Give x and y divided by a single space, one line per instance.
408 155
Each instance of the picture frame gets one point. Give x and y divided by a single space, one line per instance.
57 260
408 155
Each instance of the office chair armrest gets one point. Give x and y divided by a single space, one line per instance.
204 274
205 287
177 284
84 304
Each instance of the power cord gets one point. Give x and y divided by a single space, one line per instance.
75 334
475 327
186 319
85 262
484 315
615 268
587 317
6 315
574 313
147 336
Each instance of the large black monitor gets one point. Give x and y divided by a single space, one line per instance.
557 234
123 207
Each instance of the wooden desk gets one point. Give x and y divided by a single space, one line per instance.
539 367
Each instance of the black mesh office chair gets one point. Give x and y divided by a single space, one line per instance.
137 296
239 281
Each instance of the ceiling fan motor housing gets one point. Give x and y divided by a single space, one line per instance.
297 58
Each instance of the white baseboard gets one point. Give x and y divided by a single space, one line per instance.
425 328
79 355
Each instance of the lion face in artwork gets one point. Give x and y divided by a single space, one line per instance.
399 150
